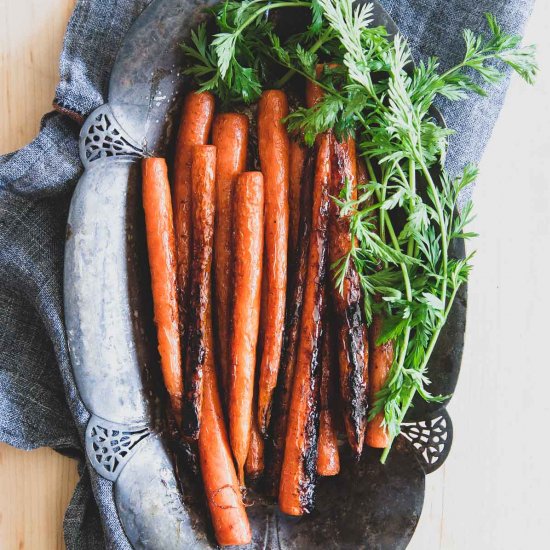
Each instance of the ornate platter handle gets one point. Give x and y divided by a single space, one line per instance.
102 137
432 439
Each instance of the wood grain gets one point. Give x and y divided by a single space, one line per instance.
31 36
492 492
35 487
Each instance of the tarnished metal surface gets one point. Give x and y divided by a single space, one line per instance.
102 307
147 79
109 320
151 506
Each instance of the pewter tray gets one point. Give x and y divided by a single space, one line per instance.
109 326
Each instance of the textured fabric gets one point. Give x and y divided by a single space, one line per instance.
39 403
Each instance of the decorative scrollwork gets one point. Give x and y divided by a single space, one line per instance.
431 438
102 137
109 445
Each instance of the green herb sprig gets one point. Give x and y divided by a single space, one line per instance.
376 94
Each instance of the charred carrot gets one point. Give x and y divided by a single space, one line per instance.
203 191
230 136
350 328
218 471
380 362
195 123
248 243
162 262
300 457
273 145
297 159
328 458
281 400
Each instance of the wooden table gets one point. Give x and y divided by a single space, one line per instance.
492 492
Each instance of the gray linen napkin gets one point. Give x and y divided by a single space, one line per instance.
39 403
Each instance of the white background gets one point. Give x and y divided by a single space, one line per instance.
494 490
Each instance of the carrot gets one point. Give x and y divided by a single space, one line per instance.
254 465
351 330
273 145
162 262
328 459
352 334
196 119
248 246
218 471
281 400
381 359
314 93
297 160
300 457
230 136
203 191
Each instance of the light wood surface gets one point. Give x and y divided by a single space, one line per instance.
491 493
35 487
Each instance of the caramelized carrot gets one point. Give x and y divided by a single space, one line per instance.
254 465
203 191
281 400
196 119
248 243
162 262
230 136
350 328
218 471
297 160
300 457
381 359
352 333
273 145
314 93
328 458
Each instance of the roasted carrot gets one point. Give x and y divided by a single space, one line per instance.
352 333
195 123
297 160
328 458
350 327
281 400
162 262
254 465
314 93
273 145
203 189
381 359
300 457
248 246
230 136
218 471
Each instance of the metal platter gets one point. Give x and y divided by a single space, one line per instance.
109 326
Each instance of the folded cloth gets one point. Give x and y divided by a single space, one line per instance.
39 403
